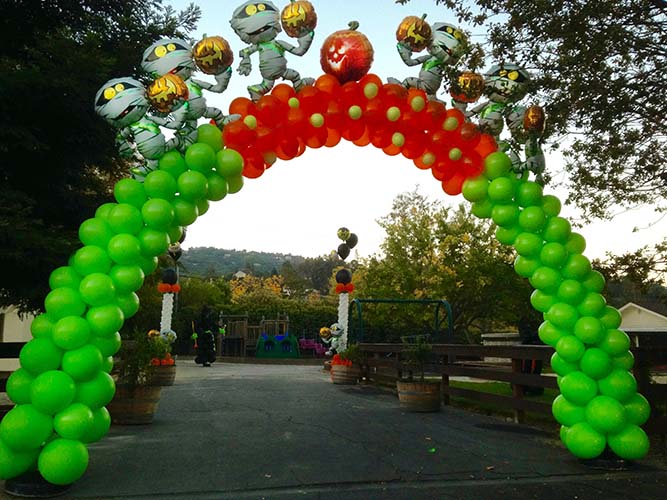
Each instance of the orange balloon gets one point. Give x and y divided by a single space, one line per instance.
453 186
283 92
486 145
354 130
333 138
364 140
391 150
241 106
328 84
270 110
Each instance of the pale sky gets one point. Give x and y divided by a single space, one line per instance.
297 206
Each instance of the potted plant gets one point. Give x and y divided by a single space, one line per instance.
418 395
136 398
164 365
345 366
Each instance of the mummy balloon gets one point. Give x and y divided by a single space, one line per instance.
447 44
258 24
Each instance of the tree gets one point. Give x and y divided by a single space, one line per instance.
58 161
434 252
599 69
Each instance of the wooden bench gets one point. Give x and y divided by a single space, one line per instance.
8 350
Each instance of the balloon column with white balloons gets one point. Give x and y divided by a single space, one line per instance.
344 287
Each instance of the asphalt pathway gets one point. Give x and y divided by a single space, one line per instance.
237 431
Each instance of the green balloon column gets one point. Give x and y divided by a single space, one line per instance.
63 384
599 405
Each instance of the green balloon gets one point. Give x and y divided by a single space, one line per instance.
42 326
158 214
192 185
589 330
73 422
577 267
71 332
103 210
124 249
65 276
18 386
175 234
40 355
593 304
160 184
14 463
210 135
173 163
229 163
562 315
578 388
63 461
96 392
557 230
480 209
610 317
234 183
532 219
619 384
562 367
567 413
529 194
130 191
475 189
549 334
186 212
202 206
505 215
127 278
507 235
153 242
553 255
606 415
148 265
637 409
570 348
128 303
631 443
107 345
575 243
25 428
217 187
625 361
542 301
52 391
528 245
551 205
201 157
595 363
107 364
594 282
615 342
525 267
97 289
563 432
100 426
584 442
571 291
105 320
546 279
496 165
501 190
91 259
82 364
125 218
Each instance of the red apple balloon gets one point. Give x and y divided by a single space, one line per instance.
347 54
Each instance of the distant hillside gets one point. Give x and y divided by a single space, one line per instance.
209 261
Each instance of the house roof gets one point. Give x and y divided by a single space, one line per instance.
640 318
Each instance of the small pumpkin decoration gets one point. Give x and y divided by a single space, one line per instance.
298 17
468 87
414 31
534 119
347 54
167 93
213 55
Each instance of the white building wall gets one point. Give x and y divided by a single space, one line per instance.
16 328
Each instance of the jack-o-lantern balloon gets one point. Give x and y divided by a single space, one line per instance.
325 333
534 119
347 54
298 18
213 55
468 87
414 31
167 93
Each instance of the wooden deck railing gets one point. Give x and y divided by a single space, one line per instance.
385 363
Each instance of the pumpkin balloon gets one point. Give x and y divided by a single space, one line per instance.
298 17
213 55
346 54
167 93
468 87
414 31
533 119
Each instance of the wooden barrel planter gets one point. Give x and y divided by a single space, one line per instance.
348 375
134 405
163 375
419 396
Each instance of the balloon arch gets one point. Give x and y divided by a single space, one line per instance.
63 384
